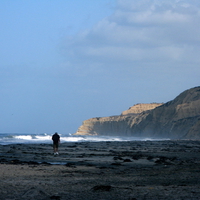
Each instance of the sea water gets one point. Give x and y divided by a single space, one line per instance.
19 138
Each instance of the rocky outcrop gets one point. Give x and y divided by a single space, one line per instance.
114 125
177 119
139 108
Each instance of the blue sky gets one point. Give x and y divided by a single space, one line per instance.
63 61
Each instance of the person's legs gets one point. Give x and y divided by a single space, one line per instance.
55 148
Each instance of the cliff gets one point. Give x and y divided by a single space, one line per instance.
139 108
114 125
177 119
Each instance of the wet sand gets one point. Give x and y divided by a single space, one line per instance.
101 170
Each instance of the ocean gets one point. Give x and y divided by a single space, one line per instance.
19 138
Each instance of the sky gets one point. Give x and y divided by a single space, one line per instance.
63 61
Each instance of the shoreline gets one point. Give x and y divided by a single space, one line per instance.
101 170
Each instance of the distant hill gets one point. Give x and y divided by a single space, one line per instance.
176 119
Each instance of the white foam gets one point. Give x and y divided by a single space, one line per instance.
45 138
24 137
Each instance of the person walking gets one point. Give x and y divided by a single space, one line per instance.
56 141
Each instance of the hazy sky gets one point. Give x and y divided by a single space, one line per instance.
64 61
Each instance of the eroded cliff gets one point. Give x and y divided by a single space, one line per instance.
140 107
177 119
114 125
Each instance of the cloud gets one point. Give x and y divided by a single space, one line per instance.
141 30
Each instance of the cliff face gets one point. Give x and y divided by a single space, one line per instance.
139 108
114 125
177 119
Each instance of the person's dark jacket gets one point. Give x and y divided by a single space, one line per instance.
56 138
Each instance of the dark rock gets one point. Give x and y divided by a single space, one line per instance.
127 160
102 188
46 163
137 156
117 158
150 158
16 161
116 164
72 146
55 197
70 165
163 160
32 163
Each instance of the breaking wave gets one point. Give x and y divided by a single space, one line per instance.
6 138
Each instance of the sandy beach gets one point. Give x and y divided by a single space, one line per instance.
101 170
